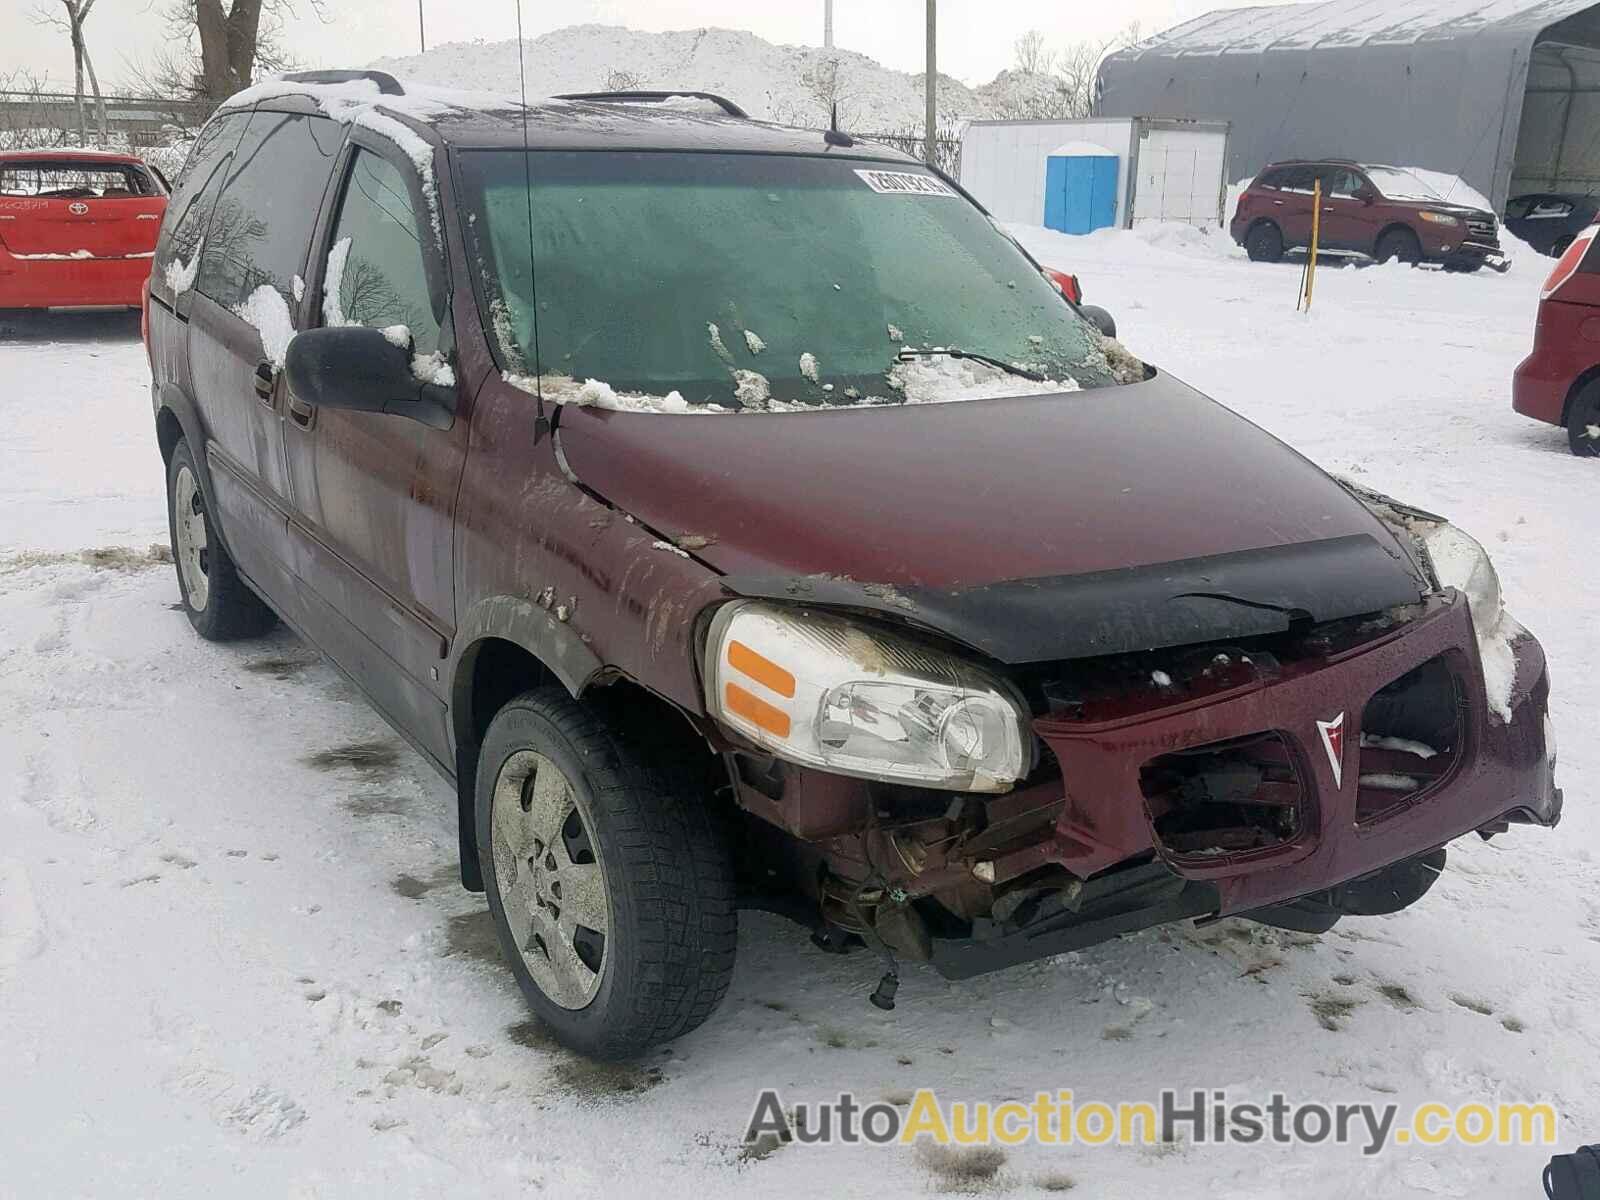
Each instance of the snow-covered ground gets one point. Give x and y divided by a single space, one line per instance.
233 960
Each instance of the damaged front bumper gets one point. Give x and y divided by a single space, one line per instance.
1288 792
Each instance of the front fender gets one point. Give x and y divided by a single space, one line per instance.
536 629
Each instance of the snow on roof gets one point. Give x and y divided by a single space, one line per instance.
348 100
1082 150
1340 23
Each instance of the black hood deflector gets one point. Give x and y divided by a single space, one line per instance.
1221 598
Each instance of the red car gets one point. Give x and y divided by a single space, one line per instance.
77 229
1560 381
1068 285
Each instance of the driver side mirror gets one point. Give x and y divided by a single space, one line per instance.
1367 194
359 369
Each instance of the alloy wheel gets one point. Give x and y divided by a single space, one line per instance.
551 882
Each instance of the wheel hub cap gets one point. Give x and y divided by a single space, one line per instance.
189 532
549 878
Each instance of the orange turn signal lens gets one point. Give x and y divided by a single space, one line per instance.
755 710
763 670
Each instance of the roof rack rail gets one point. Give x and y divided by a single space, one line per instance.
638 97
388 85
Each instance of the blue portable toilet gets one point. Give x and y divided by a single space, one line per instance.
1080 193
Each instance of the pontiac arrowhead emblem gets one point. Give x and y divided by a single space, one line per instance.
1333 742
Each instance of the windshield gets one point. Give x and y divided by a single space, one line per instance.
1401 185
760 282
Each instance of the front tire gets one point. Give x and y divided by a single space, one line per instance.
1583 422
610 891
219 604
1264 243
1399 244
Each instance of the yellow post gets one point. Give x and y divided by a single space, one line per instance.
1316 235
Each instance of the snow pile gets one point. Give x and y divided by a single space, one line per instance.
770 82
267 312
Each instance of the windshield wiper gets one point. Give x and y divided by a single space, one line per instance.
909 355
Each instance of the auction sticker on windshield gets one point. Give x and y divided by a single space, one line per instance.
903 183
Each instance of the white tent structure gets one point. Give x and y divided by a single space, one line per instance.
1503 93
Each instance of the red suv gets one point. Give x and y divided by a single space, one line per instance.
1559 382
1383 212
738 519
77 229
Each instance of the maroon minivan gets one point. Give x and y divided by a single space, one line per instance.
739 520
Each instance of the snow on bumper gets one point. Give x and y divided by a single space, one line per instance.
1314 714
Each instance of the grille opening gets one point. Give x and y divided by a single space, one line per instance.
1224 799
1411 734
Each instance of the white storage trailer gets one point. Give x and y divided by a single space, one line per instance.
1167 170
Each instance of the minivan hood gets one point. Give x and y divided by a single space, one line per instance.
918 510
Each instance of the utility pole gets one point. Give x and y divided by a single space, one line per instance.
932 151
827 24
422 29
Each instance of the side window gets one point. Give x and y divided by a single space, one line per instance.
1341 183
1297 179
198 184
262 226
376 272
1272 179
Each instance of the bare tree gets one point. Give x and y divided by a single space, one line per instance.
1046 85
827 85
213 52
1033 57
77 12
25 120
618 80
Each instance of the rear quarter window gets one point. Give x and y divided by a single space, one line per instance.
196 191
260 231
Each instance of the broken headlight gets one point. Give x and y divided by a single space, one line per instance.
1460 562
826 692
